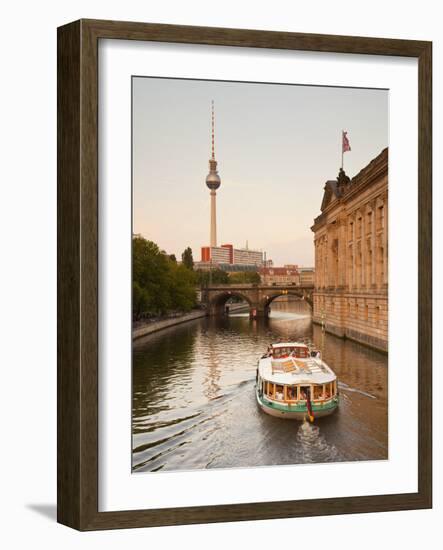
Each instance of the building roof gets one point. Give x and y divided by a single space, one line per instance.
343 186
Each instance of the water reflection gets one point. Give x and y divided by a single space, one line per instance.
194 404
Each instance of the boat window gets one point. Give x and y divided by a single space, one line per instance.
281 352
270 389
301 353
318 392
291 393
304 390
279 392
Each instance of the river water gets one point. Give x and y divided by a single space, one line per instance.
194 401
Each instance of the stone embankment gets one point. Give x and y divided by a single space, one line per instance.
155 326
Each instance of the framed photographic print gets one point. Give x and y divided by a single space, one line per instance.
242 218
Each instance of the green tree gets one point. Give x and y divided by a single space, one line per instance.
159 284
187 259
183 294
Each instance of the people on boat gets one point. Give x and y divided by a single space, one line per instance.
279 395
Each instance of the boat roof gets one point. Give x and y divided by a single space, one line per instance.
289 345
295 371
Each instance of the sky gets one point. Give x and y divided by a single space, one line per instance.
276 146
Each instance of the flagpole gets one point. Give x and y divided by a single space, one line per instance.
342 149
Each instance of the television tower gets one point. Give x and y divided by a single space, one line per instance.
213 181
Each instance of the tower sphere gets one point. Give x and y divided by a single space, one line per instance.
213 180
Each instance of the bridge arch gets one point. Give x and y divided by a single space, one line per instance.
217 302
270 296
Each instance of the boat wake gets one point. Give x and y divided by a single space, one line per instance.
160 441
345 387
312 445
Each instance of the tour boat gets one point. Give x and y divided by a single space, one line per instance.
293 382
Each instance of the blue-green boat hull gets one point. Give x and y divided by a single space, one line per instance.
297 411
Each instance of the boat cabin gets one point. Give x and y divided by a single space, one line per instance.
291 393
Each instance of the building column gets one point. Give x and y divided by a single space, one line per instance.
363 250
316 263
342 256
325 261
353 254
374 244
385 241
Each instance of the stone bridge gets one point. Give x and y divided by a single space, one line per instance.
258 296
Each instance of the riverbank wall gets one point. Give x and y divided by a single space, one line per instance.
149 328
356 336
155 326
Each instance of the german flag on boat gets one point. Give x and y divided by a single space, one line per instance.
309 407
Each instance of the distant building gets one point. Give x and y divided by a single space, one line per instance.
307 275
227 254
351 255
216 254
244 256
280 276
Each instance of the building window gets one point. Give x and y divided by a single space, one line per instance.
377 316
366 312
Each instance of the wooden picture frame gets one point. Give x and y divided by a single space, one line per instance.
78 465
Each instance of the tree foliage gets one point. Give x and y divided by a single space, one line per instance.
159 284
187 259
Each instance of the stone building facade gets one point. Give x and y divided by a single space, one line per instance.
351 256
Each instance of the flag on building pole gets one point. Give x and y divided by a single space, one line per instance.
345 145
